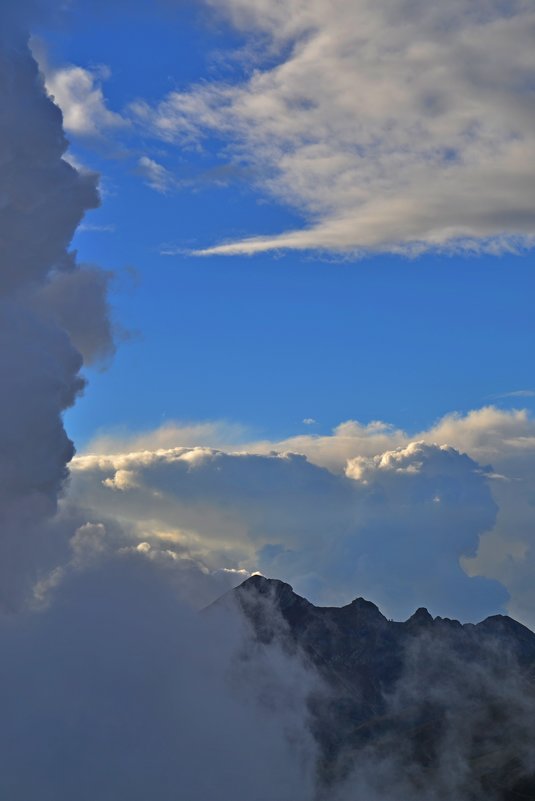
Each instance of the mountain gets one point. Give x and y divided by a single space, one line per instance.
430 702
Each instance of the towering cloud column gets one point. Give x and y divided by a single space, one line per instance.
42 341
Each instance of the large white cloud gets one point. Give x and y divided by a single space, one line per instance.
502 442
391 126
392 529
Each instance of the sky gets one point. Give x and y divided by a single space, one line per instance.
329 331
265 306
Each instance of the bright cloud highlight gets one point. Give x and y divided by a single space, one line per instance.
78 92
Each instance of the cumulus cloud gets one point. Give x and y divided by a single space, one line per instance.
390 126
77 302
51 312
504 439
373 530
79 94
501 442
216 434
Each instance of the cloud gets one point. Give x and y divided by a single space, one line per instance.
372 531
487 434
77 302
397 127
216 434
78 92
446 741
108 228
517 393
52 314
156 175
504 439
146 699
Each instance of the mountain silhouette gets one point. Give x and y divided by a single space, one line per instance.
431 702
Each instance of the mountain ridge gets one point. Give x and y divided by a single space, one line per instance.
262 584
409 688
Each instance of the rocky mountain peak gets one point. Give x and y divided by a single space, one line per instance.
389 683
420 618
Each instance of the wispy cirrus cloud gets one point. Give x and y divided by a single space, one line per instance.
517 393
108 228
155 174
397 127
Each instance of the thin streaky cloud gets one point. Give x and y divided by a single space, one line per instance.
517 393
99 229
156 175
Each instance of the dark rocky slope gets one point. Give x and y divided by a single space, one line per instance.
443 704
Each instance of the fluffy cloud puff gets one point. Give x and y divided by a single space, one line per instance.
78 92
392 530
390 126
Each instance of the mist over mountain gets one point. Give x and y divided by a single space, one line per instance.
427 708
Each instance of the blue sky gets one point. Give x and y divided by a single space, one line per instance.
267 339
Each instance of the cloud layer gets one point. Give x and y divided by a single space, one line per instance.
390 126
373 530
366 509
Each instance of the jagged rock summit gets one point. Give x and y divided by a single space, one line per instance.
357 644
413 689
362 618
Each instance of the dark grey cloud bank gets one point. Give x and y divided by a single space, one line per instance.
118 692
110 688
46 321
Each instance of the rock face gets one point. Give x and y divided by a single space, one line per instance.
425 697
